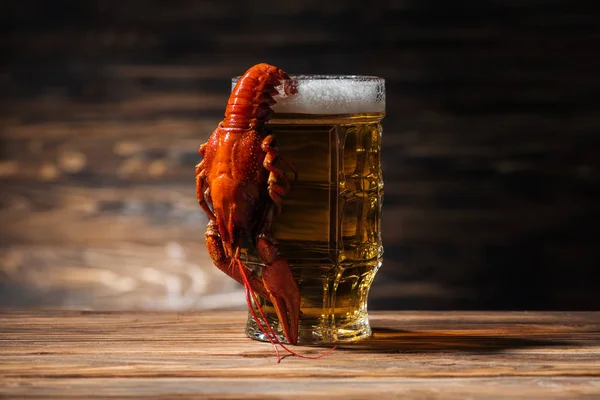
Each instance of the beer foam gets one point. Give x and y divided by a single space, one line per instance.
332 94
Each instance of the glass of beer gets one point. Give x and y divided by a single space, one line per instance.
330 229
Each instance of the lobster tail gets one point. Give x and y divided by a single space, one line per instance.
250 102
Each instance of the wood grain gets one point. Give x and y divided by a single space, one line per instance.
417 355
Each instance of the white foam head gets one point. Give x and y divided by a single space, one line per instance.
334 94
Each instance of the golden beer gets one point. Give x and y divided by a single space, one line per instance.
329 229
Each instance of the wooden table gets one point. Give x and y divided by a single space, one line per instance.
423 355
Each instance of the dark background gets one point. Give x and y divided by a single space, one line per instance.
491 145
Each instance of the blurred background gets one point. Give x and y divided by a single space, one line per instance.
491 145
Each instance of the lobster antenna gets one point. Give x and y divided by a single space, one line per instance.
248 291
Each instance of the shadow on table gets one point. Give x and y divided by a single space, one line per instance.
385 340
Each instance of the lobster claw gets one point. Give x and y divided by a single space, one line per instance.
277 284
216 251
283 291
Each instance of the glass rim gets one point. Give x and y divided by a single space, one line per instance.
327 77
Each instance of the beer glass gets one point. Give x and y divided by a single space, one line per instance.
329 229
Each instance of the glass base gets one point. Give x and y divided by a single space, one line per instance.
317 331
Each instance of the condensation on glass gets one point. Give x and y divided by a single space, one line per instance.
330 228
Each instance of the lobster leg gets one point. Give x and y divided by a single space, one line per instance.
277 181
202 185
215 249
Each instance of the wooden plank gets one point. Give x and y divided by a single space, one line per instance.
325 388
51 212
335 388
137 106
117 276
538 355
106 129
83 215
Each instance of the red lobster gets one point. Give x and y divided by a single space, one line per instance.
240 190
